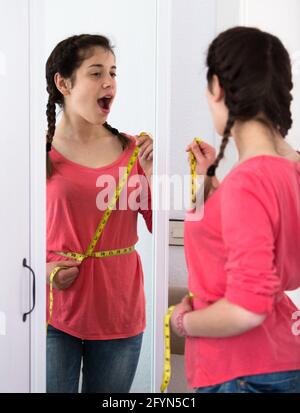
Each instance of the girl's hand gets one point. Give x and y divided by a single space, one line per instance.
64 278
184 306
205 155
145 142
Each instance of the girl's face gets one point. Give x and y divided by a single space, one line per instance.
216 102
94 87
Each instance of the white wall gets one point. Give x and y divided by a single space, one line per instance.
131 25
193 28
281 18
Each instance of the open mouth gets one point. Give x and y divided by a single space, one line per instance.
105 103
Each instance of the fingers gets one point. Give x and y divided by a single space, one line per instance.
207 149
139 140
142 138
66 285
195 149
187 301
70 275
147 152
150 157
69 263
66 277
204 146
146 134
145 142
192 147
145 147
204 153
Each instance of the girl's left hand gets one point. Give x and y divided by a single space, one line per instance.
205 155
184 306
145 142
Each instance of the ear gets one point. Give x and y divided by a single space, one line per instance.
62 84
216 89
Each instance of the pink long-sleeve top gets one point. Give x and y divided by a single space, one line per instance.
246 248
107 300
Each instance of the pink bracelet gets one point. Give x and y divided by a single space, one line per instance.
179 324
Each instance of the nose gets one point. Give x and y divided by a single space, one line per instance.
106 85
107 82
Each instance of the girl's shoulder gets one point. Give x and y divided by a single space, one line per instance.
262 174
263 164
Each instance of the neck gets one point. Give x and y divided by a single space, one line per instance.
252 138
75 128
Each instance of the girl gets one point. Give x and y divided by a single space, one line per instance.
244 254
98 311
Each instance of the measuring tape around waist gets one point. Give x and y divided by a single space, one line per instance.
98 254
79 257
90 250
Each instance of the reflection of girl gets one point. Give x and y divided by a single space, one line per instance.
99 306
244 253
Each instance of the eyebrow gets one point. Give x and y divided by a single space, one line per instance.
112 67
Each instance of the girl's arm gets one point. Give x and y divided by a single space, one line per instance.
221 319
248 225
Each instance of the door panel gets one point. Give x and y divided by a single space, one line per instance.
14 211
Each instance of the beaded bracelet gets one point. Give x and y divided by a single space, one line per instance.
179 324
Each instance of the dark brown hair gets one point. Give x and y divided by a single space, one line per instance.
254 70
65 59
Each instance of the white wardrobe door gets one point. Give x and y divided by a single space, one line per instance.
14 210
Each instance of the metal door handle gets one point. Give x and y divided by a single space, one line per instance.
33 289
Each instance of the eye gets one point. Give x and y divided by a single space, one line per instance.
113 74
96 74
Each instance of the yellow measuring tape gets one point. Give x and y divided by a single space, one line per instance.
167 353
90 250
193 164
167 329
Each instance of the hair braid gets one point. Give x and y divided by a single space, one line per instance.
51 120
212 169
123 139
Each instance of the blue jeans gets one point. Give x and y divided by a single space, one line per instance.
109 366
281 382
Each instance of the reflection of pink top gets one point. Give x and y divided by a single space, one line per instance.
246 249
107 299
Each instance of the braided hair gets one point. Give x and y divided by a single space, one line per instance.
65 59
254 70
